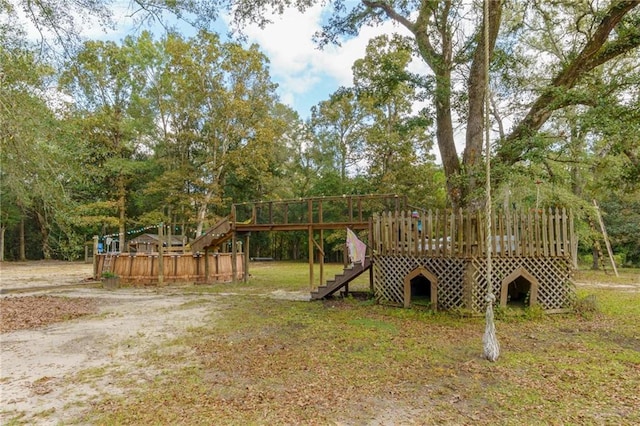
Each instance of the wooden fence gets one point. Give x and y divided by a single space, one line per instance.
143 268
533 233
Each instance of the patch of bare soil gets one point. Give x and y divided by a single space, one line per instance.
45 273
632 287
51 370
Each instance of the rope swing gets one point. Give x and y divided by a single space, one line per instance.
491 347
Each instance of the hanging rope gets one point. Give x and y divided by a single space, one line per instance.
491 347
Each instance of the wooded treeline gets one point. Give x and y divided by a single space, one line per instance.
117 136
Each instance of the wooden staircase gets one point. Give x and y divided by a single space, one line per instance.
215 235
341 280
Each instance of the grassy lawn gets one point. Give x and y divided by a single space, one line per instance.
272 361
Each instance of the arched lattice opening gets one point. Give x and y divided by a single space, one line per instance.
420 288
519 289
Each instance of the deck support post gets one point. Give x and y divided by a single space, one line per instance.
161 255
321 257
245 278
206 265
234 258
95 257
311 249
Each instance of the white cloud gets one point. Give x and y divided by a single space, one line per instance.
300 68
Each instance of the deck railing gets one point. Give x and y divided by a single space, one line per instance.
533 233
315 211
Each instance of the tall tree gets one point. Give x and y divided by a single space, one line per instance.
337 123
108 91
34 162
217 104
448 35
397 139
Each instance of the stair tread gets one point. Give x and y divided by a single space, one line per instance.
340 280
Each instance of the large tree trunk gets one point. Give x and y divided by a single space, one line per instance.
441 63
44 231
599 49
477 84
22 255
2 230
595 265
458 187
202 213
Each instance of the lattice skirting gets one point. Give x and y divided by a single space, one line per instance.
389 273
556 291
461 283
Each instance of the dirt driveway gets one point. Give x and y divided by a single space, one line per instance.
49 374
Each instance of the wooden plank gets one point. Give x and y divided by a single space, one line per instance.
565 237
501 236
445 236
429 232
460 233
234 254
482 242
393 235
388 232
574 242
494 248
545 231
403 233
310 254
436 232
524 232
552 244
384 237
529 226
517 232
452 235
406 234
423 240
558 235
467 235
537 238
374 234
416 234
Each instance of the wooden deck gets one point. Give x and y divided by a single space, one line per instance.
313 215
462 234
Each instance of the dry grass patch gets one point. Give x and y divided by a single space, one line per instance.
270 361
20 313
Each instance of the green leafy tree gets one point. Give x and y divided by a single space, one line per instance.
397 140
338 126
33 154
448 36
219 124
112 115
